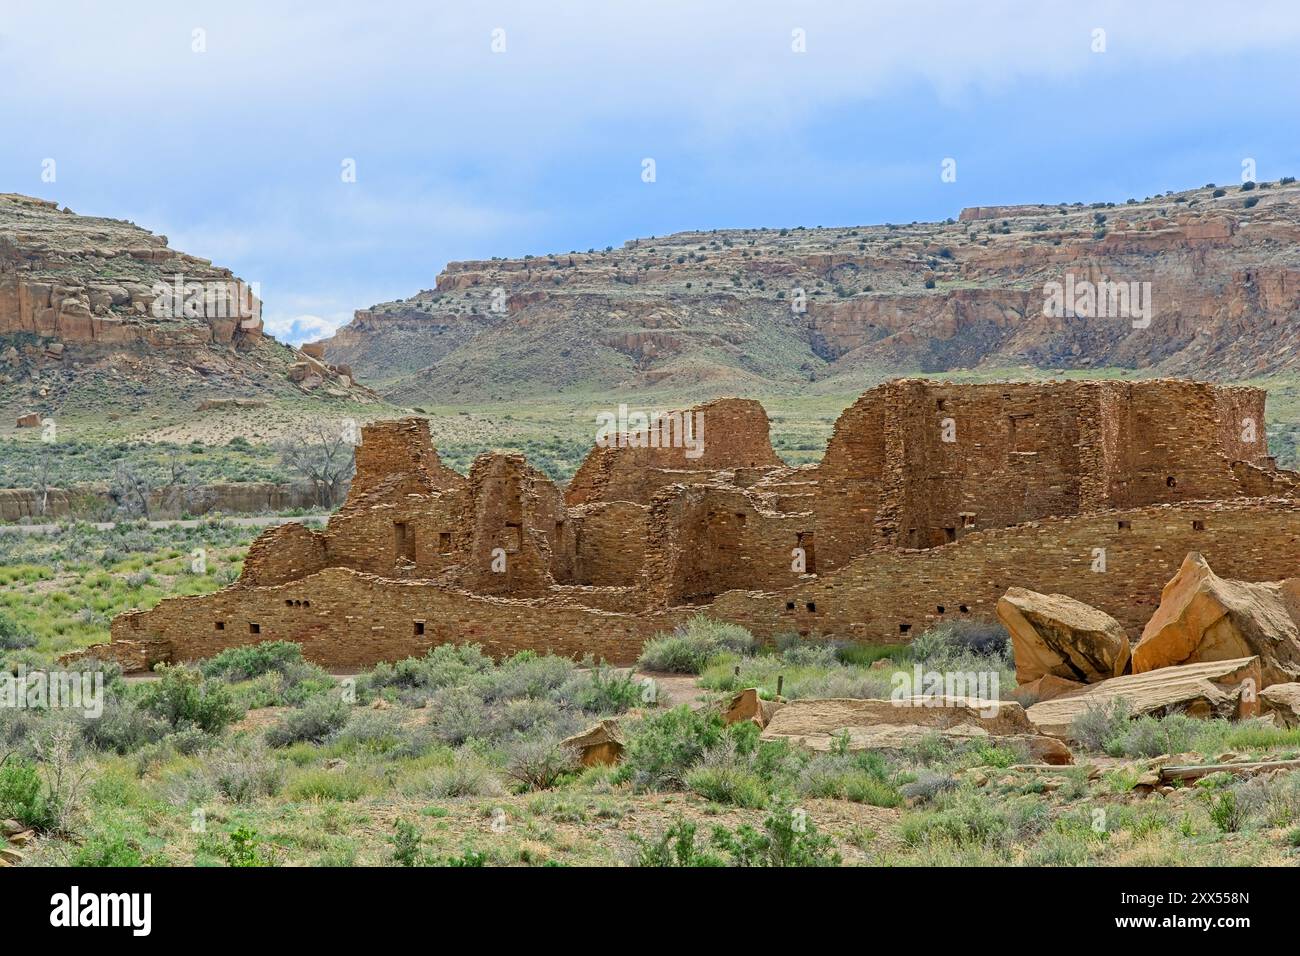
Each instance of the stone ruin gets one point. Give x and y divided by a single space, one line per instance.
931 500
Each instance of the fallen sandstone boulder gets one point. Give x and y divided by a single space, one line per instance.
600 745
1047 687
1203 617
1052 634
1282 701
1227 689
747 705
821 725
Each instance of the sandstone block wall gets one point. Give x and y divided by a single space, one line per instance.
932 499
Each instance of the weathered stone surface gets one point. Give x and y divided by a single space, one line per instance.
30 420
1052 634
1282 701
747 705
1227 689
1047 687
600 745
893 725
1203 617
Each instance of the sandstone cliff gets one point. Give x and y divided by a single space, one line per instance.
739 311
100 309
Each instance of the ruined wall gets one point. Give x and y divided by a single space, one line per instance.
892 595
346 621
609 543
284 553
919 464
519 511
1177 440
706 539
400 447
734 434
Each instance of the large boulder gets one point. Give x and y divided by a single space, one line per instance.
823 725
1228 689
1283 702
1203 617
1052 634
600 745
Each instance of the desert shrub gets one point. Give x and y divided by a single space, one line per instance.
20 728
312 723
183 697
1148 736
965 820
788 838
124 727
253 660
690 647
928 786
466 776
376 731
526 674
23 795
725 774
329 785
661 748
457 714
963 645
861 778
811 655
13 638
674 846
406 843
538 762
1226 811
605 690
1274 800
527 714
242 775
1101 723
415 678
107 848
841 682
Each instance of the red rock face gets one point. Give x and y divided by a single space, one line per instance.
725 309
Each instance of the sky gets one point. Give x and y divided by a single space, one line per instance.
479 128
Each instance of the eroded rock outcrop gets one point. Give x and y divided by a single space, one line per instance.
1203 617
822 725
1227 689
1052 634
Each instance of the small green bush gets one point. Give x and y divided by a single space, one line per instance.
313 722
23 796
690 647
183 697
663 747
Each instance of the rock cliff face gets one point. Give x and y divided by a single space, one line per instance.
1212 284
92 300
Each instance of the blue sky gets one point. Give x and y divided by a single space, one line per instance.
235 151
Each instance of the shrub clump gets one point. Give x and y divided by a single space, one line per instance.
312 723
183 697
690 647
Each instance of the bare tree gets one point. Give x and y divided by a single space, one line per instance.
130 489
323 456
42 466
182 493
